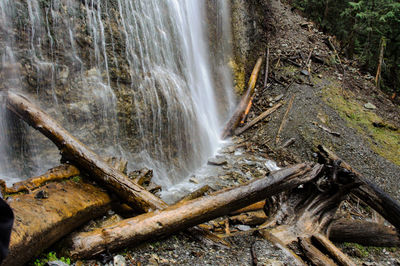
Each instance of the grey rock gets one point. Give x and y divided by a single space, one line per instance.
119 260
305 72
369 106
217 161
278 98
243 227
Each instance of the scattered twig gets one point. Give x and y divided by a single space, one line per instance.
288 143
227 228
378 71
308 62
289 85
266 68
336 53
337 134
277 81
284 120
293 62
254 259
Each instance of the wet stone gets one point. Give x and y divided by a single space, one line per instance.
217 161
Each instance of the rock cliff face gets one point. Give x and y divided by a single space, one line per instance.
251 28
131 78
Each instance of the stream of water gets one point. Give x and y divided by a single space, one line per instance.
129 78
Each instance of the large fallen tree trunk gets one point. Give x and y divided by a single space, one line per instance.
186 214
50 212
243 104
72 150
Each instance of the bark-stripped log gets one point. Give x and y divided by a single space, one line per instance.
244 103
186 214
74 151
40 222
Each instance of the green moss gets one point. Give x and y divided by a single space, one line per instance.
363 251
383 140
239 76
51 256
77 179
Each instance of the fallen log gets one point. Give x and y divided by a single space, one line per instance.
257 119
368 192
72 150
48 213
364 233
186 214
61 172
243 104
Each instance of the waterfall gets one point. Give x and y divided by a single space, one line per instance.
140 79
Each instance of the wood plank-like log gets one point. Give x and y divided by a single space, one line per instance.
74 151
48 213
186 214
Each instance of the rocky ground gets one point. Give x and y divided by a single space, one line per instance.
334 105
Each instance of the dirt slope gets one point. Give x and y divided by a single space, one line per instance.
332 98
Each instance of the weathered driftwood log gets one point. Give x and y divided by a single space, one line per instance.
49 213
186 214
72 150
368 192
239 131
314 254
364 233
243 104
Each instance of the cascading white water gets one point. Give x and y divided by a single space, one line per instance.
129 78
